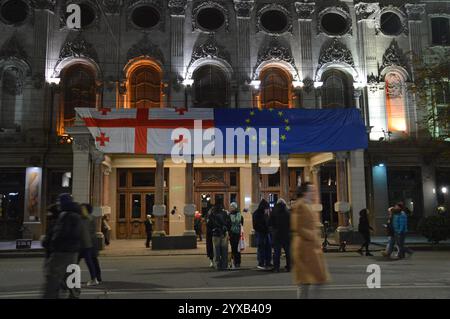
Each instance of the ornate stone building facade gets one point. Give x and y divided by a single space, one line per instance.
215 53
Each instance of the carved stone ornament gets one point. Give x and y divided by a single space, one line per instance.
210 49
394 85
209 4
308 84
336 51
12 81
342 10
277 7
145 48
243 8
276 51
78 48
415 11
13 48
112 6
177 7
81 144
44 4
373 82
366 11
393 56
305 10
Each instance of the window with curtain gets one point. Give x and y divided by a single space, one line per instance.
275 89
145 87
335 90
79 91
395 102
210 87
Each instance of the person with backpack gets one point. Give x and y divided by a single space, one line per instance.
237 221
364 229
261 227
220 225
279 224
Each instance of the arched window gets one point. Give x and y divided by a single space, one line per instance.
395 102
335 90
11 98
145 87
210 87
275 88
79 91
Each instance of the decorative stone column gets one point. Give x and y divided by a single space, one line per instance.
159 209
315 174
284 178
357 97
342 206
189 208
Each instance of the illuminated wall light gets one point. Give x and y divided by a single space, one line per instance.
317 84
255 84
297 84
444 190
188 82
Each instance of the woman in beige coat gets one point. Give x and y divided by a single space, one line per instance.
308 260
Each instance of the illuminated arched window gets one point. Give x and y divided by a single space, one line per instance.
335 90
275 88
395 102
145 87
210 87
79 91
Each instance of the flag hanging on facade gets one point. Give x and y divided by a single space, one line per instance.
228 131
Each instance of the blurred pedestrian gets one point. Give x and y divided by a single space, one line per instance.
389 228
52 218
64 246
400 225
209 238
198 225
148 230
261 227
220 225
364 229
106 229
308 259
237 221
279 224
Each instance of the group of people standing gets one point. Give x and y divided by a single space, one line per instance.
71 235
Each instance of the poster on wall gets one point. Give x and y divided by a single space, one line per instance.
33 183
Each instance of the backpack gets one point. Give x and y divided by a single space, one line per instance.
236 223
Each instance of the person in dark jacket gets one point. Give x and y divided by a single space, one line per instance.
148 230
237 221
220 225
364 229
106 229
52 218
209 238
64 246
261 227
279 224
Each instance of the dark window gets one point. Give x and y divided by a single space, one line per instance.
79 91
390 23
149 202
14 11
136 204
335 90
210 19
145 17
440 31
275 88
145 88
210 87
122 205
334 23
122 178
274 179
442 90
233 198
143 179
274 21
87 14
233 179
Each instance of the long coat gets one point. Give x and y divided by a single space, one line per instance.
308 261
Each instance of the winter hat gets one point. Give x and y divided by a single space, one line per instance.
233 206
65 200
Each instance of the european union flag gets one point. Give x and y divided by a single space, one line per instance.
296 130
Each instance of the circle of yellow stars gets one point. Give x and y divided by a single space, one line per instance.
284 130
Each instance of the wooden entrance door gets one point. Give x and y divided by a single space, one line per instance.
135 200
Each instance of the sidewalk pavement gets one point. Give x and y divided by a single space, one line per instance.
136 247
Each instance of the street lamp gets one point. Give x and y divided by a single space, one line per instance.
444 190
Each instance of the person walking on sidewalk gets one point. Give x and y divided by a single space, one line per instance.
400 224
309 265
220 225
64 246
89 245
198 225
106 229
364 229
209 238
237 221
148 230
261 227
279 224
390 233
